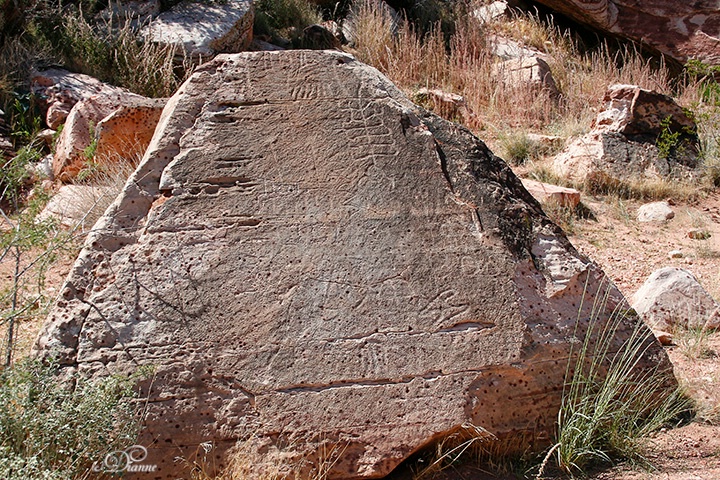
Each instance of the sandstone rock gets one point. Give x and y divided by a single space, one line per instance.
673 297
631 110
119 126
681 30
546 193
311 263
446 104
624 143
127 131
203 29
655 212
61 90
533 71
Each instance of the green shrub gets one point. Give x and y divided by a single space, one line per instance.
52 431
15 177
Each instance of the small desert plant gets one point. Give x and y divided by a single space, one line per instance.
15 177
518 148
48 429
611 402
114 54
693 341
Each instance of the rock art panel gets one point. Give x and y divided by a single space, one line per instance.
314 264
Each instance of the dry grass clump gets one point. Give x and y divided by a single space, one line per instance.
120 56
465 65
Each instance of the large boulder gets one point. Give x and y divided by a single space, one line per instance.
638 134
325 272
205 28
681 30
60 90
672 297
105 129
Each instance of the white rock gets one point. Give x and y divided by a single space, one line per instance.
673 297
526 70
488 13
655 212
205 28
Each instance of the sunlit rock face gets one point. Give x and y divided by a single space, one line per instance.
317 268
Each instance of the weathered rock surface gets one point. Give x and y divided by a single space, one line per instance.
120 126
488 13
127 131
631 110
681 30
546 193
313 264
529 71
203 29
655 212
673 297
61 90
626 140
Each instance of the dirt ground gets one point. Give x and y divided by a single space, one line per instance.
629 251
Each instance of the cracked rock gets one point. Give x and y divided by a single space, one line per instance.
312 264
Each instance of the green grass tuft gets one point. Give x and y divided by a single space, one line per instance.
611 403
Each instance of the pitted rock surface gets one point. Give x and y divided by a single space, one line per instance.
319 268
127 131
120 126
681 30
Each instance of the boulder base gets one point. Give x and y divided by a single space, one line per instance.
317 268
